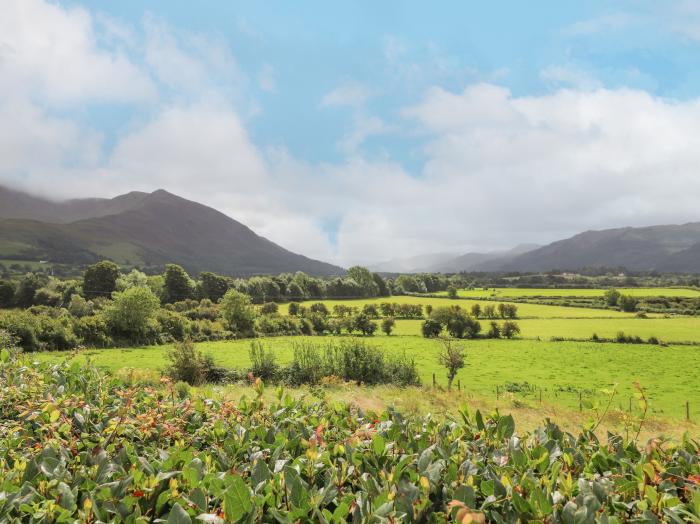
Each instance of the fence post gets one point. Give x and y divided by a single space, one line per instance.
687 411
540 395
580 401
496 392
433 379
630 408
459 385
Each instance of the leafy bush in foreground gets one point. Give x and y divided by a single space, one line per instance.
76 445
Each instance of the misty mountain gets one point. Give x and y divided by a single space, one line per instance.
479 261
141 229
661 248
416 264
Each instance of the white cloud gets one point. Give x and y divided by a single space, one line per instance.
570 76
52 52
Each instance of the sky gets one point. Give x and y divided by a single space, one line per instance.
362 131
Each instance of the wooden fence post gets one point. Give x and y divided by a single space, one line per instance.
580 401
433 379
459 385
687 411
496 392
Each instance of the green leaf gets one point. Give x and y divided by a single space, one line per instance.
505 427
237 500
378 445
178 515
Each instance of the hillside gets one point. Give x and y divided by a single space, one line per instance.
141 229
661 248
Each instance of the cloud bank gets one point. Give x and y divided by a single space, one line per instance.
496 170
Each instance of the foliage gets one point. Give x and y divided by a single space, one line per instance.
238 313
431 328
188 364
263 362
510 329
131 311
146 455
388 325
628 303
100 280
451 357
178 284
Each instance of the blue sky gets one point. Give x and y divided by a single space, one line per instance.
367 130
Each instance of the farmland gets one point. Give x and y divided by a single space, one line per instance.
551 366
574 292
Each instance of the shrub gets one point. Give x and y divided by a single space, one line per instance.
131 312
431 328
23 326
388 325
173 326
263 362
276 324
293 308
364 325
452 292
494 330
307 366
319 308
79 307
188 364
269 308
510 329
94 331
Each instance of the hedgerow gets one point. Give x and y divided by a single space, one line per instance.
77 445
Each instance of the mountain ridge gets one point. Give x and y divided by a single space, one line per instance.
144 229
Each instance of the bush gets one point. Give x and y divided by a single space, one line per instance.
388 325
263 362
319 308
173 326
307 366
94 331
293 309
23 326
431 328
510 329
364 325
276 325
494 330
188 364
269 308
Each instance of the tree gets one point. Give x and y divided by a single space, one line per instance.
269 308
293 309
213 286
628 303
131 311
451 356
133 279
611 297
476 310
365 280
294 291
238 314
382 287
490 311
26 289
7 293
388 325
364 325
100 280
452 292
178 284
510 329
431 328
494 330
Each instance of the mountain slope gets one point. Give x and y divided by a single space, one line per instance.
478 261
149 229
643 248
415 264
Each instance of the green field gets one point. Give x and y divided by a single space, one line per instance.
669 374
513 292
524 310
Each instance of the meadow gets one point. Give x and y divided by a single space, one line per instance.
561 370
514 292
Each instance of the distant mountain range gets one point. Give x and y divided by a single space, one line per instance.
141 229
668 248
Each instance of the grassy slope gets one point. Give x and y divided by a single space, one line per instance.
669 374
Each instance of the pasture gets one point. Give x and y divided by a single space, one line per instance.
561 370
513 292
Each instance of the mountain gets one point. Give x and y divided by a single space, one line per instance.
479 261
661 248
141 229
416 264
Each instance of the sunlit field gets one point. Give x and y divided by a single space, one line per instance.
574 292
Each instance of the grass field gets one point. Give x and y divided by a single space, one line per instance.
676 329
670 375
524 310
512 292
